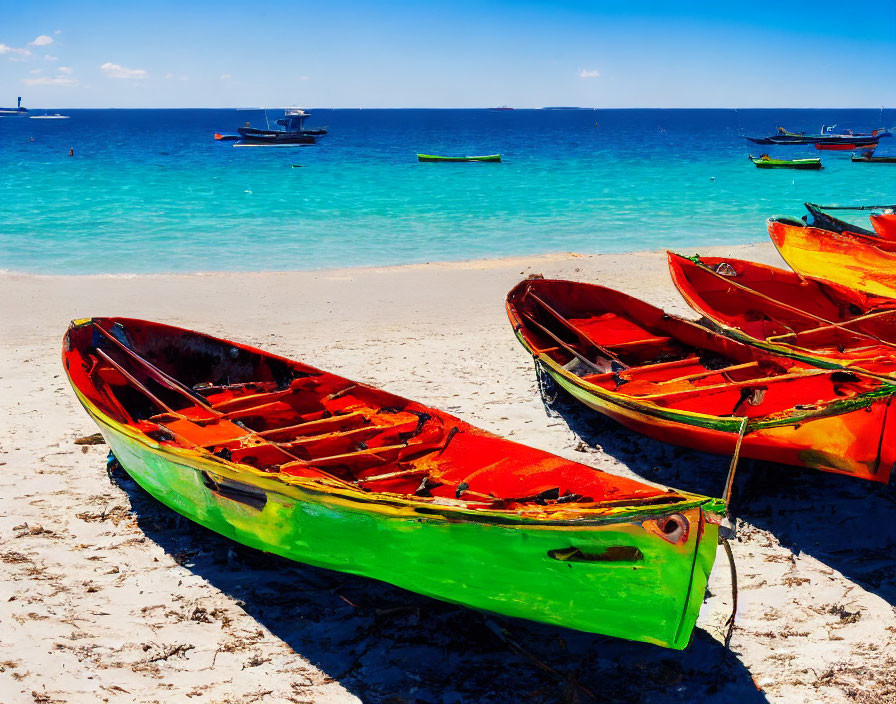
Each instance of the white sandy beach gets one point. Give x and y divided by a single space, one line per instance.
108 596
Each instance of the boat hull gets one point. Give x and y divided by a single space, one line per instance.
874 159
490 158
807 164
499 568
844 147
250 134
853 260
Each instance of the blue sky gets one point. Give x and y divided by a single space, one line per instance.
345 53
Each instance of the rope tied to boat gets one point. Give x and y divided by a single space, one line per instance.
729 624
547 388
726 531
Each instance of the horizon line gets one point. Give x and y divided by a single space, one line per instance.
552 108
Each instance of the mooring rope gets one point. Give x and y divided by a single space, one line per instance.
727 530
547 388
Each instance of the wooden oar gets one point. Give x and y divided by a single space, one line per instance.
860 318
311 424
140 386
794 309
160 376
697 390
572 328
575 353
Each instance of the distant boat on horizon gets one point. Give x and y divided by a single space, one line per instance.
501 108
48 116
18 111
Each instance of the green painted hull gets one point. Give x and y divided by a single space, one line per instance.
433 157
502 566
809 164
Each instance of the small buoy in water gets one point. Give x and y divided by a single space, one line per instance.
712 178
71 152
298 166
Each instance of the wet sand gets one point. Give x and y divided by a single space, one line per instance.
108 596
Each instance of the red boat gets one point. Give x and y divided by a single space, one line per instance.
682 383
843 147
810 319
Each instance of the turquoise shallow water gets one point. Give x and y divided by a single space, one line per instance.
150 191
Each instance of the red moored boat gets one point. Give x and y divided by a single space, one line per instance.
843 147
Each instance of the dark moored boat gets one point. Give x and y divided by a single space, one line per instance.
292 130
17 111
883 220
868 156
827 136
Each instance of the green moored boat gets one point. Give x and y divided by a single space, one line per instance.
433 157
288 459
766 162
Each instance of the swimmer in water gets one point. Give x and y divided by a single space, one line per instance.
71 152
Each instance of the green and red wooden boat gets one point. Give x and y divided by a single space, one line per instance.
292 460
682 383
432 157
812 320
766 162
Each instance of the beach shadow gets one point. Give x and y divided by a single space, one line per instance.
844 522
385 644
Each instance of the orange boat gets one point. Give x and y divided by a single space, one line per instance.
852 259
817 322
884 224
679 382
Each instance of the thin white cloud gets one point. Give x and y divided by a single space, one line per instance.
117 71
65 69
14 51
589 73
304 78
51 58
226 76
42 40
58 31
47 81
169 76
35 70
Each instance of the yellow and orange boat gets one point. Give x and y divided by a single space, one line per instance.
852 259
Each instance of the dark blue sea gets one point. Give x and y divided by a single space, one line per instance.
151 191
